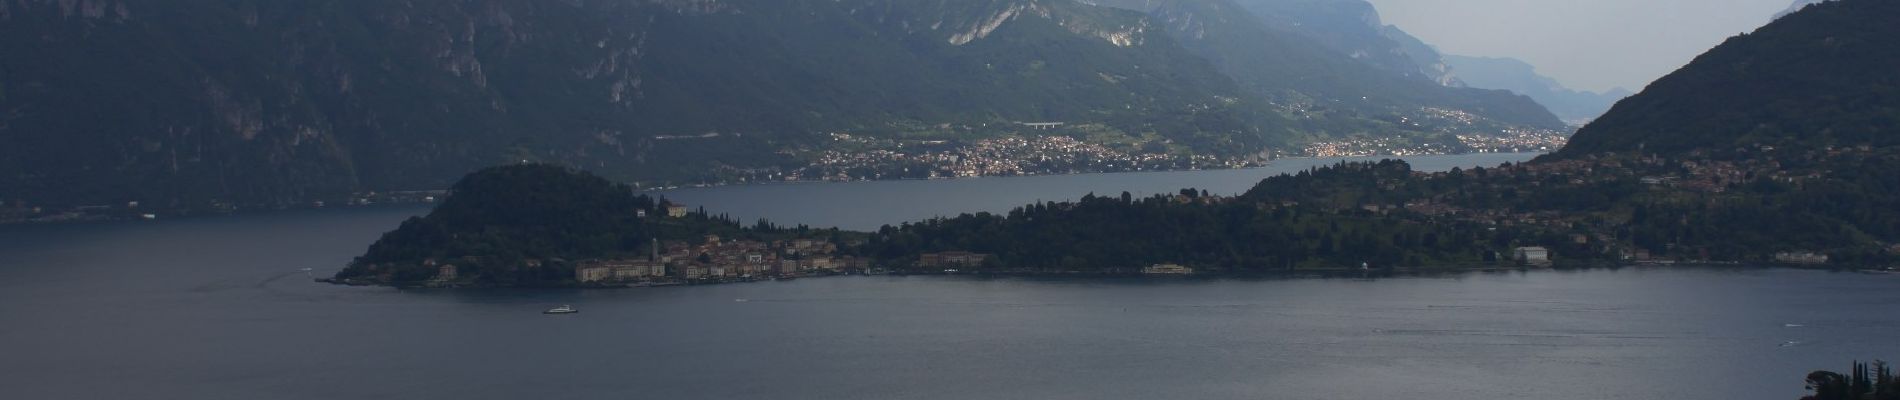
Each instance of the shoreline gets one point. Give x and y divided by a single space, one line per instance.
1332 273
69 215
1268 164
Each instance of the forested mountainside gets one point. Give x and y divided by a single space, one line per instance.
1822 77
1768 149
254 103
262 102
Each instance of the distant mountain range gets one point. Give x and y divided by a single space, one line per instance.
264 103
1574 106
1329 57
1820 77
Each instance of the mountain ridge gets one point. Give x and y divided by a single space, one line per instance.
273 102
1797 6
1517 76
1298 53
1829 67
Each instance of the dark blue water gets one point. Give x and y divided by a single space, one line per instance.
219 308
867 205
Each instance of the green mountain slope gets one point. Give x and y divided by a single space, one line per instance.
270 102
1824 76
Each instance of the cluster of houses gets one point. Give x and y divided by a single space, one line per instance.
718 259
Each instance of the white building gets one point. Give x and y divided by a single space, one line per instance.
1801 258
1167 269
1533 256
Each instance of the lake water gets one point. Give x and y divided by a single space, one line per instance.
867 205
219 308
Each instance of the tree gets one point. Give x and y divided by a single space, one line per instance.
1826 386
1863 382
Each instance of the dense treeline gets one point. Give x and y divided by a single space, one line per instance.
1121 234
1829 217
1849 212
1341 185
1862 382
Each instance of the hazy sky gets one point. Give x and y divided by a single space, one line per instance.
1586 44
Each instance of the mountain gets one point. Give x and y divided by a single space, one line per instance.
1809 101
273 102
1820 77
1328 57
1354 28
1798 5
1575 106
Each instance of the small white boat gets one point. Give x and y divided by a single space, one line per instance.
561 310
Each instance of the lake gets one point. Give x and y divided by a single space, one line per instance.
867 205
221 308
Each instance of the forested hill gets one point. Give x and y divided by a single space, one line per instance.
495 221
268 102
510 214
1824 76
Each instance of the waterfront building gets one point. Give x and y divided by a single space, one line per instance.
1801 258
618 270
1533 256
1167 269
951 259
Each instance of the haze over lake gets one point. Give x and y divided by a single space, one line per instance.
220 308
